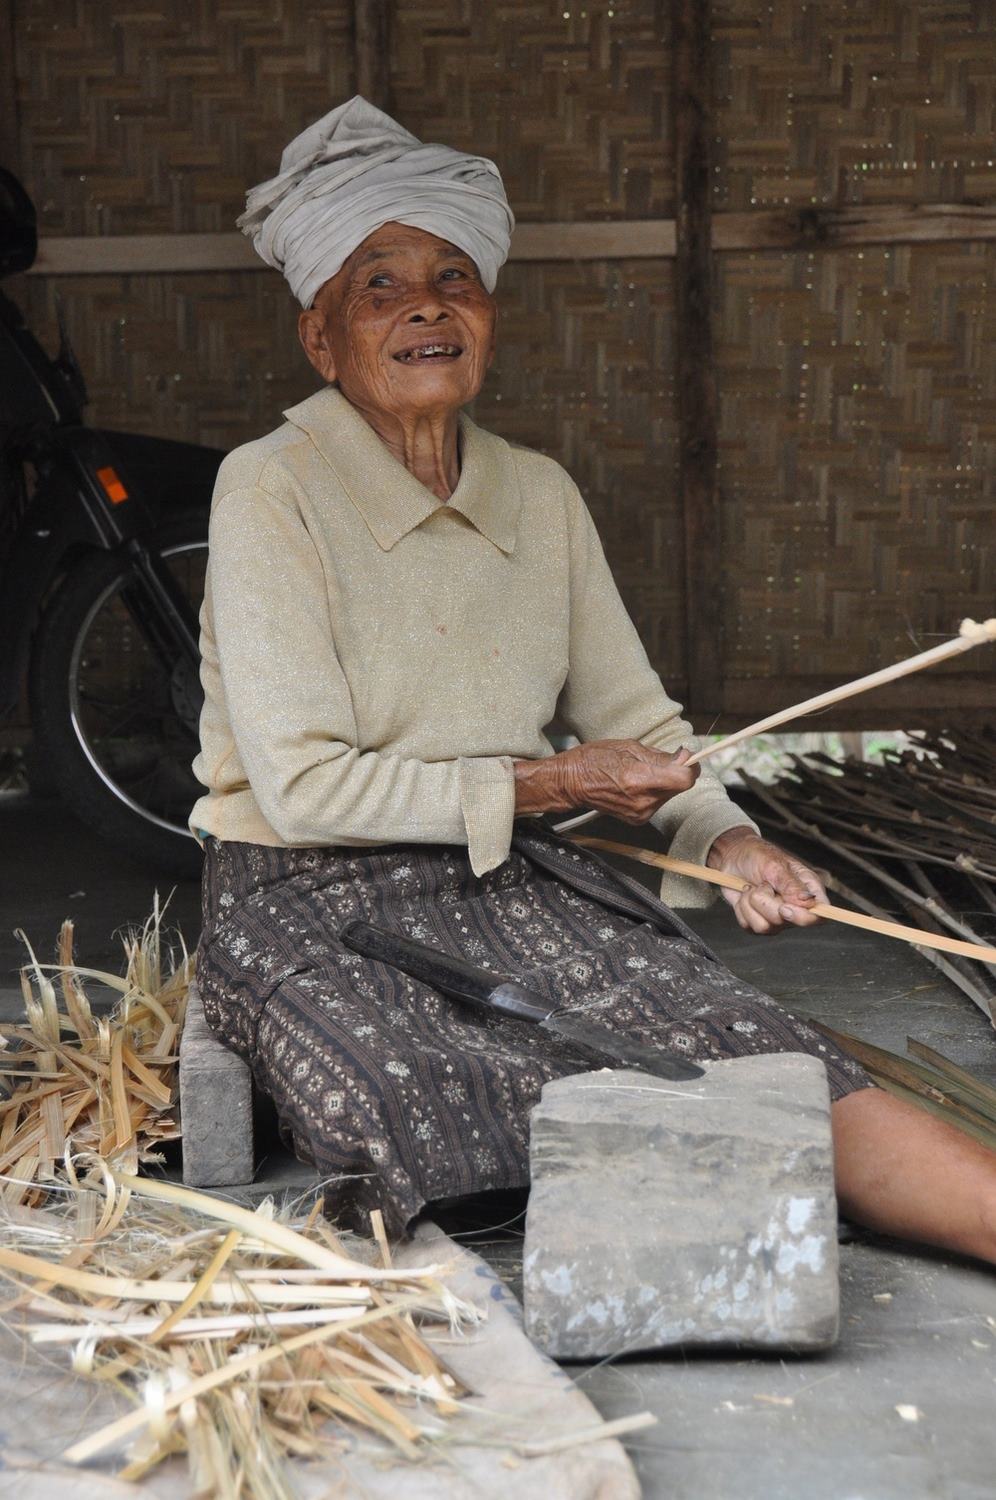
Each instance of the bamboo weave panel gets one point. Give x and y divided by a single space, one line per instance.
857 455
569 98
156 119
854 101
582 373
145 120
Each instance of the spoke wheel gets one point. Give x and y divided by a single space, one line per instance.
115 729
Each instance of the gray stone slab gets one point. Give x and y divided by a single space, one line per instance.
697 1213
215 1106
900 1409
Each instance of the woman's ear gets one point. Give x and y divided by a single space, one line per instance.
311 332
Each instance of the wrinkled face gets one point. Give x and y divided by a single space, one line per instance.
406 327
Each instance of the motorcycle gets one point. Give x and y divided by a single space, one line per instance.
103 547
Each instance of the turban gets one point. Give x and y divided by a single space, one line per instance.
356 169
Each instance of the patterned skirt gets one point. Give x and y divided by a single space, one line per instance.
400 1096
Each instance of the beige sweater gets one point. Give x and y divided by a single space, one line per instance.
373 658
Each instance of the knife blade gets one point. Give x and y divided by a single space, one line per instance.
485 990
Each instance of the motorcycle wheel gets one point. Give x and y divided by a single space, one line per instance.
116 733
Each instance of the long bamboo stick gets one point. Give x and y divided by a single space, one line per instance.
970 633
913 935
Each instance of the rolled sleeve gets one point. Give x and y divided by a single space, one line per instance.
487 800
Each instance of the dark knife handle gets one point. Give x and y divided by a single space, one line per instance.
454 977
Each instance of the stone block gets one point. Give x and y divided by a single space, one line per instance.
215 1106
699 1213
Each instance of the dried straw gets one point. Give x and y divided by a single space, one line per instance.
144 1313
91 1083
235 1333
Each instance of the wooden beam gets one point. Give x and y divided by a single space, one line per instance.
835 228
691 106
629 239
372 51
113 254
609 239
90 255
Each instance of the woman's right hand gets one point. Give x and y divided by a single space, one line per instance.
622 777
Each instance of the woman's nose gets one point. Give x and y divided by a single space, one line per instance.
427 307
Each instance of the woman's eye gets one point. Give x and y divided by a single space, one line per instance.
381 279
452 271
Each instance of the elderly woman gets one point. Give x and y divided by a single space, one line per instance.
398 603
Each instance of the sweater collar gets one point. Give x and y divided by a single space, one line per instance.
390 499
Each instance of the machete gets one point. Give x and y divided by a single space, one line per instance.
488 991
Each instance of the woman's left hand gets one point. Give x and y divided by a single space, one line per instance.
780 887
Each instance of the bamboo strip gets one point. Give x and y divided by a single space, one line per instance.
279 1236
200 1289
914 935
217 1325
151 1081
222 1293
242 1365
970 634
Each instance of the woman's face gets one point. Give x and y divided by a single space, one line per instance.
406 327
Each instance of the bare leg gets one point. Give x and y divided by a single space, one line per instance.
903 1171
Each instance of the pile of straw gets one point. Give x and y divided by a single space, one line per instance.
235 1333
86 1082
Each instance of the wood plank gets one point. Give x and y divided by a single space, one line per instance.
110 254
629 239
833 228
106 254
372 43
691 106
610 239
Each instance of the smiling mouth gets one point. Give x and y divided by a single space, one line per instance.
425 353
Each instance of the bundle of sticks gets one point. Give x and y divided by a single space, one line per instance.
917 829
935 929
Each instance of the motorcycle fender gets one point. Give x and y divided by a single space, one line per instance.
172 475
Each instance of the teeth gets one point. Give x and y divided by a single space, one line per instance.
430 349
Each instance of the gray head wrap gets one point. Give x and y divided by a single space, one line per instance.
356 169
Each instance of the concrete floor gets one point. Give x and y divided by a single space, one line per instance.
918 1329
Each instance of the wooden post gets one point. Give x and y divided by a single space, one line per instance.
14 287
696 374
10 141
371 41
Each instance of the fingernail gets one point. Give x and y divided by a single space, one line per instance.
788 913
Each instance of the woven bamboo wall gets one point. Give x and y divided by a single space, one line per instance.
854 101
856 387
570 98
141 119
858 454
